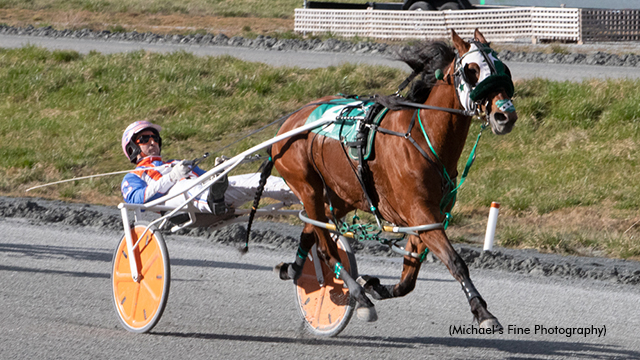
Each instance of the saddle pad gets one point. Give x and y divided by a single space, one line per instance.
342 129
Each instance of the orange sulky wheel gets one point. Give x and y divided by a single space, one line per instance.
323 300
139 305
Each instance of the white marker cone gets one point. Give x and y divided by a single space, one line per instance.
491 226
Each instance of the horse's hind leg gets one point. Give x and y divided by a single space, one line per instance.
441 247
286 271
289 271
327 249
292 271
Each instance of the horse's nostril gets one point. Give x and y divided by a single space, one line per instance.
499 117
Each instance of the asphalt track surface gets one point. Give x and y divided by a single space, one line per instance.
311 59
55 287
55 291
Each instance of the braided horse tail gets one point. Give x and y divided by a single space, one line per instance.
265 172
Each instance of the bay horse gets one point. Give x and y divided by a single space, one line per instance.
406 183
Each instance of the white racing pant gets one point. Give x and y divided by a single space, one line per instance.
242 189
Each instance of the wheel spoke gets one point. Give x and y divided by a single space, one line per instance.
150 290
147 266
134 298
122 277
319 305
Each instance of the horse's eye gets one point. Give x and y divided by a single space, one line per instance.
472 73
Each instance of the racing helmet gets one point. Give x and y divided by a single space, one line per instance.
130 148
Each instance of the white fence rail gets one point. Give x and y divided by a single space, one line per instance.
501 24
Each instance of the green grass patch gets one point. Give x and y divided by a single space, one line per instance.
63 113
575 144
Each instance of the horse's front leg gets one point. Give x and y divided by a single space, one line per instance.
439 244
410 269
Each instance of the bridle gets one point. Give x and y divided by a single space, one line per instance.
464 87
493 73
461 81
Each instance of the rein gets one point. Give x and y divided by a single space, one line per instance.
280 120
450 198
410 104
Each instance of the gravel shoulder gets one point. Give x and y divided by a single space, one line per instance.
331 52
602 54
282 236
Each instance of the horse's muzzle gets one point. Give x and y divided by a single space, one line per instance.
501 122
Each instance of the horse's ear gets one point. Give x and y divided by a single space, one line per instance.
460 44
478 36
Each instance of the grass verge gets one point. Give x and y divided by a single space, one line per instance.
63 113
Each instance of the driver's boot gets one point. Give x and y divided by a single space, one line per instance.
215 199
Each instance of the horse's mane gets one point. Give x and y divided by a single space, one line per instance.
424 59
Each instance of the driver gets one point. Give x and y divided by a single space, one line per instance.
153 177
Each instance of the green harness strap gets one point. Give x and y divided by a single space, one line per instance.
450 198
370 232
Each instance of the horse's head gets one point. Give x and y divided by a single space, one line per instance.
483 82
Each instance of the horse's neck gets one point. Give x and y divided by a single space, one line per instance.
447 131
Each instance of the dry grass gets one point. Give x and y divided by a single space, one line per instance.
156 23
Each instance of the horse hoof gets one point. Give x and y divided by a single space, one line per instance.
372 286
367 314
282 271
491 324
367 281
